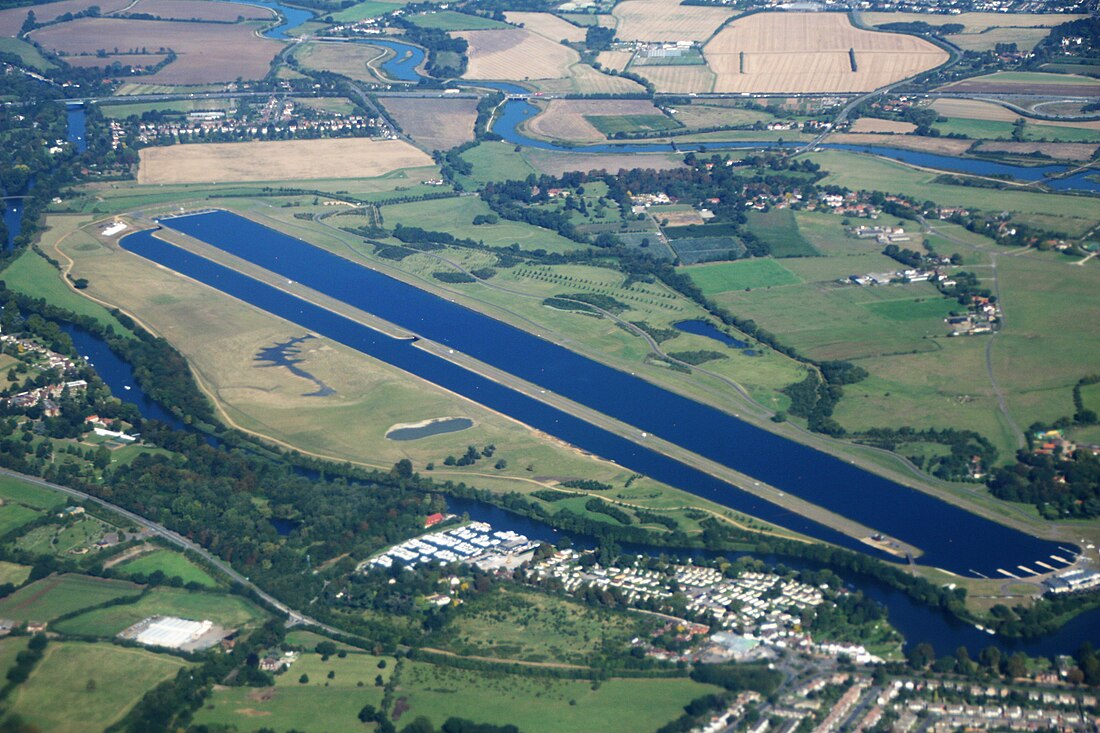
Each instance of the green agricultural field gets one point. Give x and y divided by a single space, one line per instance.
536 627
863 172
31 495
1003 130
31 274
172 564
58 595
28 54
13 573
10 646
609 125
455 216
495 161
77 684
779 229
363 11
14 516
913 310
741 275
321 704
536 705
228 610
181 106
449 20
1090 396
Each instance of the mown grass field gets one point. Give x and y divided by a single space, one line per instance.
58 595
364 10
228 610
999 130
28 54
610 125
13 573
517 624
450 20
77 685
743 274
31 274
14 516
455 216
537 705
27 494
172 564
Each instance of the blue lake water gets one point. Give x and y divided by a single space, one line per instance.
405 61
290 17
703 328
950 537
439 427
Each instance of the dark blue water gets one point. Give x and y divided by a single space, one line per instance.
704 328
284 526
918 623
77 126
440 427
405 61
950 537
118 375
516 111
290 17
13 220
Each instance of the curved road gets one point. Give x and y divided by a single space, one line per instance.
293 617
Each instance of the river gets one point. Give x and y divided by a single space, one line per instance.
950 537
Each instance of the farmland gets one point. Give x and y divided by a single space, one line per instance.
516 54
435 124
11 20
779 230
537 705
76 683
206 52
656 20
222 12
575 120
686 79
870 124
353 60
547 25
28 54
227 610
12 490
746 274
277 161
172 564
809 52
58 595
363 10
1028 82
449 20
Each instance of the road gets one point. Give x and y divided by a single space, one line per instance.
294 617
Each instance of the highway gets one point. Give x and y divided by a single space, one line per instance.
294 618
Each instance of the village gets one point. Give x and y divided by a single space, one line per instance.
275 119
43 360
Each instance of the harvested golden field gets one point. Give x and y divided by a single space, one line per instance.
870 124
11 20
207 52
667 20
200 10
1061 151
940 145
1028 82
809 52
554 163
565 119
974 22
973 109
436 124
287 160
695 78
616 60
515 54
133 59
547 25
353 60
587 80
1025 38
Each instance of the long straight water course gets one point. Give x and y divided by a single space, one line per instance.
950 537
